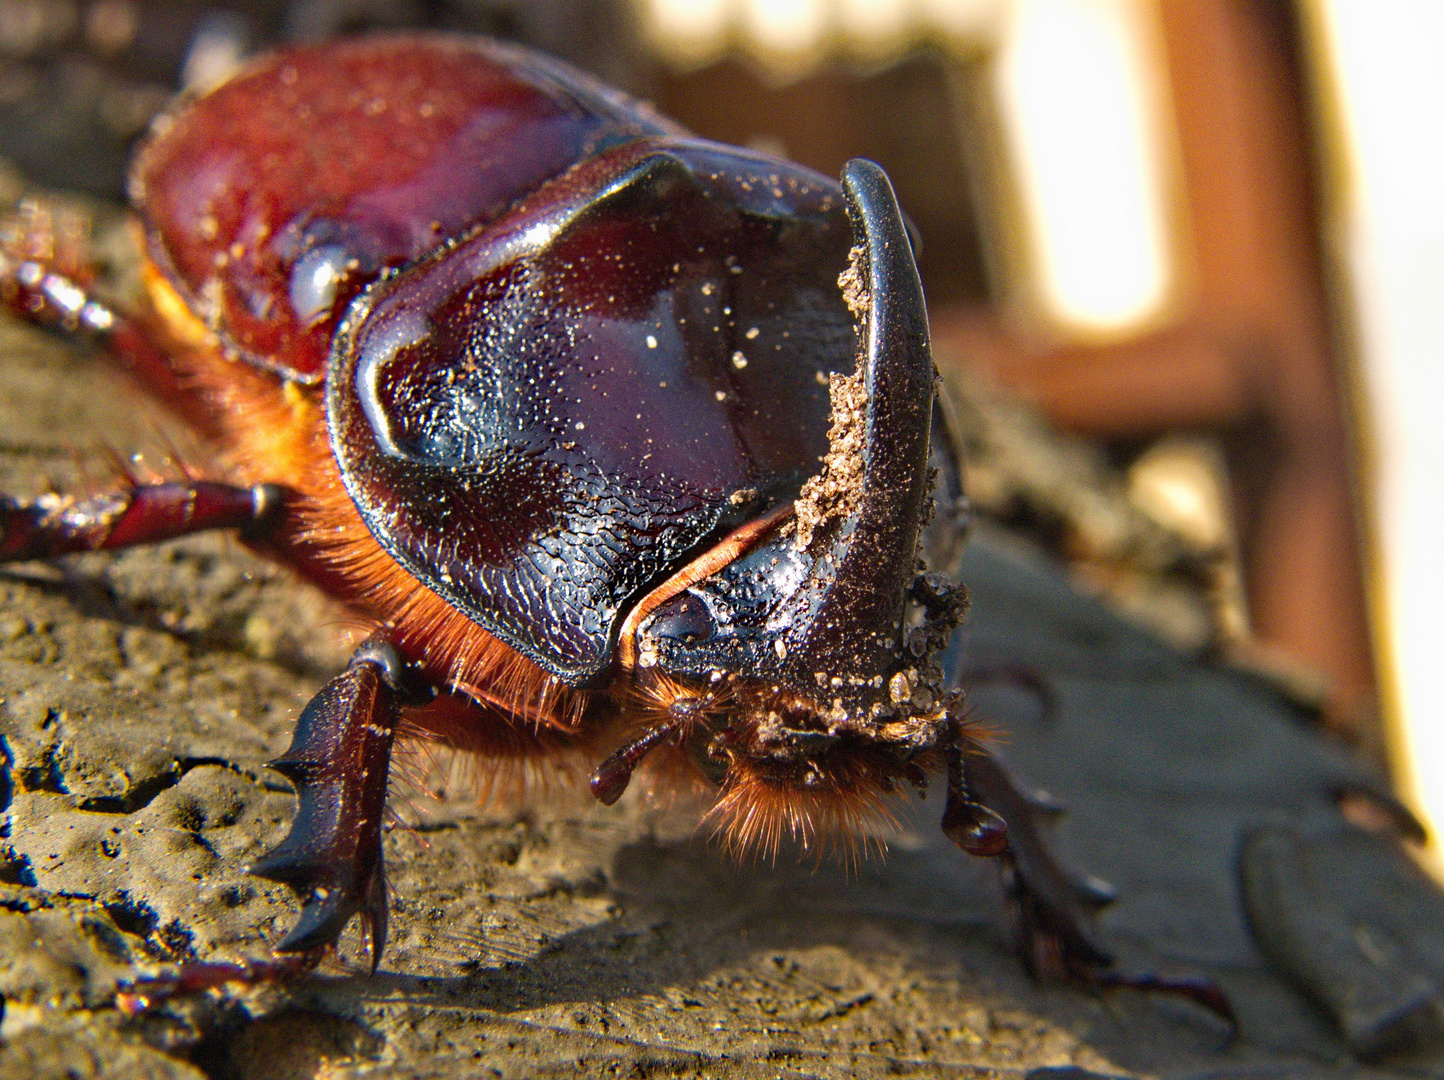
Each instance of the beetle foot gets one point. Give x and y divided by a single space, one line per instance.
338 761
135 997
1052 907
329 901
1199 989
1049 951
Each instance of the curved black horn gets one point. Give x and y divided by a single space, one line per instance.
874 555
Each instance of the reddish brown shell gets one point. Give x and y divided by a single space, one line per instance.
299 181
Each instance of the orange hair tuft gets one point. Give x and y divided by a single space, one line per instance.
843 814
272 431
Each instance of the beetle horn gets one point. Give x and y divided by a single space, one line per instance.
874 546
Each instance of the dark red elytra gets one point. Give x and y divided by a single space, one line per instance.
349 159
622 442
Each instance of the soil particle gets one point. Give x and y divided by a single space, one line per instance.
834 492
853 283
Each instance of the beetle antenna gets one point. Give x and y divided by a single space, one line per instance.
614 774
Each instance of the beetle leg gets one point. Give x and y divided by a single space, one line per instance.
47 269
140 514
1050 906
42 294
338 760
135 996
1019 676
46 261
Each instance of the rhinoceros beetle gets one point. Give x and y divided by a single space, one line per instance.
622 441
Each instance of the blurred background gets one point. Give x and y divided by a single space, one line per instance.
1185 262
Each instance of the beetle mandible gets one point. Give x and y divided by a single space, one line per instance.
539 384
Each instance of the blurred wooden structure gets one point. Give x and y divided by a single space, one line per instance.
1249 355
1253 359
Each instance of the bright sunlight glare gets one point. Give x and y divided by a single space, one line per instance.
1074 93
1390 89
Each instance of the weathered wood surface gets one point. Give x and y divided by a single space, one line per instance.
140 693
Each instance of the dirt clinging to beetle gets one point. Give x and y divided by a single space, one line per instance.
853 283
834 492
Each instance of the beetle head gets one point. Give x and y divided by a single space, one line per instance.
795 671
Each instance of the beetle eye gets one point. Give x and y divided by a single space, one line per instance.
686 619
314 280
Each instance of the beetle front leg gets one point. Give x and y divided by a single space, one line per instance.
986 814
1050 906
339 761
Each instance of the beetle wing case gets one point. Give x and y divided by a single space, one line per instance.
274 199
547 417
